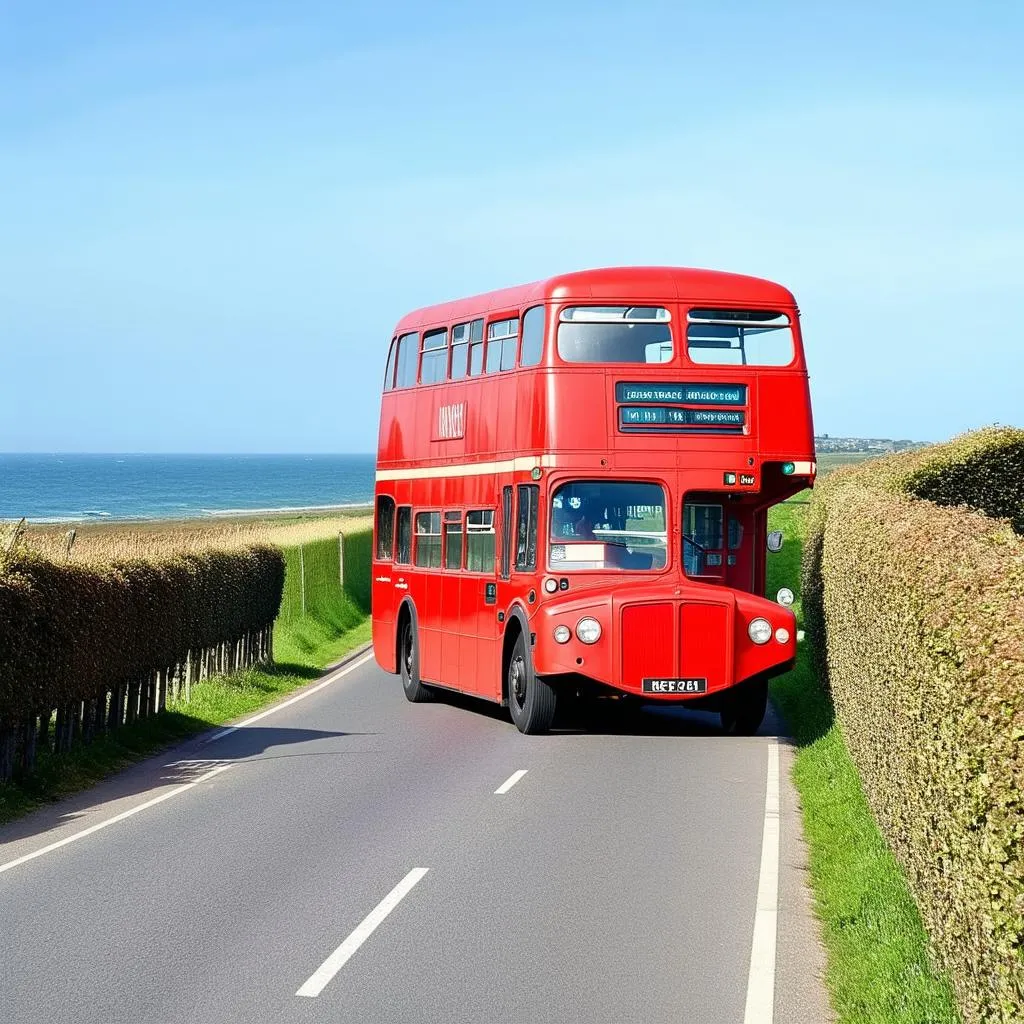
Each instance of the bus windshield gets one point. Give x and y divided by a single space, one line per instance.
615 334
602 524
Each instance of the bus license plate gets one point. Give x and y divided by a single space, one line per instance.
675 685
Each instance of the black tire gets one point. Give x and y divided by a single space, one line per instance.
409 664
531 701
745 707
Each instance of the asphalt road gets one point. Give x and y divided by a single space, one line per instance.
616 880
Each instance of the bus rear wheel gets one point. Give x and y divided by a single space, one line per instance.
409 664
744 708
531 700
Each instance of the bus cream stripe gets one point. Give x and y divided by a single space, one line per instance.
468 469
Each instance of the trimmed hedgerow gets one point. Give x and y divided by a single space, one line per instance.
105 644
915 602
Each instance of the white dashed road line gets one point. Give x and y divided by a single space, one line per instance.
322 976
510 782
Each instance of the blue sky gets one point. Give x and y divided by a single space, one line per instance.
211 215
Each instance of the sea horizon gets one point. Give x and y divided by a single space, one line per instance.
76 487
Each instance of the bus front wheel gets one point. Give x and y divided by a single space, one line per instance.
744 708
531 700
409 664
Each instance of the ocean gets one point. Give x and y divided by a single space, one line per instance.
72 488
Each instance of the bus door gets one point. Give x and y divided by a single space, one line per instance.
739 543
704 540
382 588
478 604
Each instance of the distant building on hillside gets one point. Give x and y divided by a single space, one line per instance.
825 443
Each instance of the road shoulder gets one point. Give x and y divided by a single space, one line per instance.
801 995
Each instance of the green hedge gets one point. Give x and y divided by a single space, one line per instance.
915 603
121 634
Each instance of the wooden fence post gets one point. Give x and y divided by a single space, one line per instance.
8 738
28 743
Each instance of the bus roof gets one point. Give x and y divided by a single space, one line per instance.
622 283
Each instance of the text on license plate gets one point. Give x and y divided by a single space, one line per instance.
675 685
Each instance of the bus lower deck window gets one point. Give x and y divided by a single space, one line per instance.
385 526
428 540
453 540
480 541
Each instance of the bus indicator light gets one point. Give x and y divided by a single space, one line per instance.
788 468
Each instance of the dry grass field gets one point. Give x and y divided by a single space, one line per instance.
105 542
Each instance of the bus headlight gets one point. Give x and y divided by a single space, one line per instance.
588 630
550 585
760 631
784 597
562 634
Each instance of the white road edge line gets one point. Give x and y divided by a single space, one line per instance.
510 782
322 976
332 678
760 1007
115 819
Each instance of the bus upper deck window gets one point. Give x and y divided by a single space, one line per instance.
615 334
408 355
434 360
460 351
502 341
739 337
476 348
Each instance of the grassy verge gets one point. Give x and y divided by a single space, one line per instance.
878 966
333 626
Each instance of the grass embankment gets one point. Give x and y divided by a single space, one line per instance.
335 622
878 966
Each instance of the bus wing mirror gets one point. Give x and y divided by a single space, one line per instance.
775 540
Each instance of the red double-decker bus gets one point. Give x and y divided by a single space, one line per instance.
573 479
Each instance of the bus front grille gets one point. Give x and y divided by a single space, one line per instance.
648 642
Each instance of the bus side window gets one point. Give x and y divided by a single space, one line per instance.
460 351
506 532
408 356
389 373
533 336
476 348
385 527
428 540
526 529
453 540
480 541
502 342
403 556
434 360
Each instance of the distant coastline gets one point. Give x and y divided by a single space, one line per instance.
99 489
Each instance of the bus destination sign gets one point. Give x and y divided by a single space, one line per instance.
663 415
681 394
